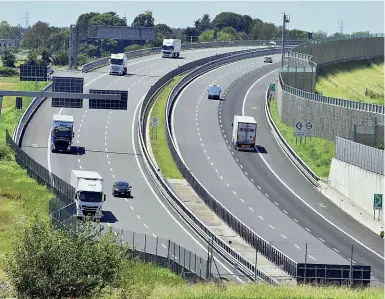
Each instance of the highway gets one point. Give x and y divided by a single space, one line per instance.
245 183
108 145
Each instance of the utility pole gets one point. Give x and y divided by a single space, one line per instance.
286 19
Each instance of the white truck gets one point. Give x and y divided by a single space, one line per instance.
89 195
62 133
244 132
214 92
171 47
118 64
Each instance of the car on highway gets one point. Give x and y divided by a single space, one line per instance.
121 188
214 92
268 59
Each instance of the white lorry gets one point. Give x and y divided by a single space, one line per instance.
171 47
118 64
89 195
244 132
214 92
62 133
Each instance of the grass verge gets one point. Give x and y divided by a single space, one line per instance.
361 81
20 195
158 140
317 152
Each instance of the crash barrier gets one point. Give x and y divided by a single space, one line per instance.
62 210
198 67
332 273
156 50
303 62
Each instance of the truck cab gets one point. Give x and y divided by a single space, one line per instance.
118 64
89 196
62 133
214 92
171 48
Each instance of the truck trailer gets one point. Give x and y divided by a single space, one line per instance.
62 133
244 132
89 196
171 47
118 64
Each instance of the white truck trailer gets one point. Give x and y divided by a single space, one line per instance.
118 64
89 196
62 133
244 132
171 47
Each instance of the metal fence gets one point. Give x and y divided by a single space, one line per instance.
369 135
366 157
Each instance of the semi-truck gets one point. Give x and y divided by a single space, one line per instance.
118 64
171 47
244 132
62 133
89 196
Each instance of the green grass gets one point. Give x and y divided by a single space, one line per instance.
20 196
158 141
317 152
356 81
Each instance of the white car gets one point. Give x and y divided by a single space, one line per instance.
214 92
268 59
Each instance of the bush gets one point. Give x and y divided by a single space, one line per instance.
132 48
382 234
50 263
8 58
82 59
8 72
60 58
5 153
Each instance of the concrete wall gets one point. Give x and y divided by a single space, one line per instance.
356 183
304 80
342 50
328 120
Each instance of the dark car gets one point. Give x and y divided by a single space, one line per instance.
121 188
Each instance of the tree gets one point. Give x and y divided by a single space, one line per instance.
8 32
203 24
46 56
227 34
190 33
32 58
8 58
37 36
207 36
256 29
143 20
49 263
228 19
319 35
269 31
361 33
163 31
247 23
60 57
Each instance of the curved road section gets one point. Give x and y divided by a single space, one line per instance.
108 145
263 189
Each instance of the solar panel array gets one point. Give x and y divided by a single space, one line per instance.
33 72
67 84
109 104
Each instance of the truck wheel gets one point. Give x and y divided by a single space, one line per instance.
177 55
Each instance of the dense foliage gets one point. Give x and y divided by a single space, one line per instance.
50 44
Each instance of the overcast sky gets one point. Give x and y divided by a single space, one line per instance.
304 15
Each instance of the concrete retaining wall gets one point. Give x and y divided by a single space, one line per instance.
304 80
356 183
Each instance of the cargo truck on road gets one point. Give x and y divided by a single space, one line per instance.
118 64
89 196
171 47
244 132
62 133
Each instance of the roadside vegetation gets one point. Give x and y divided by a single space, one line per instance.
316 152
361 81
158 139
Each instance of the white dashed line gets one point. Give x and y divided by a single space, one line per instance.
295 220
308 229
154 235
252 180
164 246
321 239
297 246
131 208
266 195
227 185
335 250
283 236
138 216
251 209
242 200
260 217
276 203
285 211
145 225
271 226
221 177
311 257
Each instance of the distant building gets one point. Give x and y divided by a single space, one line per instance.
9 43
148 12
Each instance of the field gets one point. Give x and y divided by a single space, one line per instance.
158 141
316 152
356 81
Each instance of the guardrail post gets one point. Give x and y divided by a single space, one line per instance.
156 250
305 262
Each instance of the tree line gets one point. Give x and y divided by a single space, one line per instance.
50 44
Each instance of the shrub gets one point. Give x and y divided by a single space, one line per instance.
8 72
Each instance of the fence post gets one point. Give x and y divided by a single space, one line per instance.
145 244
375 132
156 250
351 268
168 253
305 262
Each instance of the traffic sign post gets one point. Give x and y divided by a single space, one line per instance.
377 205
308 130
298 131
155 124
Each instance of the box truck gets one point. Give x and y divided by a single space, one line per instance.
214 92
62 133
118 64
244 132
171 47
89 196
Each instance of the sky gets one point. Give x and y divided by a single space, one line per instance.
304 15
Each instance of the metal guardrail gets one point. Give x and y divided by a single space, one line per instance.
264 247
298 162
149 51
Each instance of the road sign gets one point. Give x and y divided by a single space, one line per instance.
308 129
272 87
155 122
377 202
298 129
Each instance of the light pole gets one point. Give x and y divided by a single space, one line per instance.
286 19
